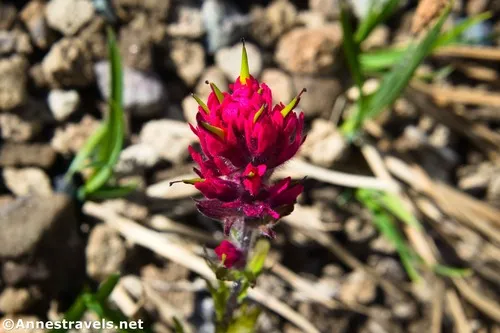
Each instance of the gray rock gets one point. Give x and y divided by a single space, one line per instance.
143 93
188 23
212 74
63 103
137 158
324 145
229 60
33 18
8 13
68 63
310 51
13 72
27 181
314 102
280 83
188 60
68 16
268 24
223 23
169 138
32 222
189 109
105 252
21 126
361 8
19 154
14 41
136 44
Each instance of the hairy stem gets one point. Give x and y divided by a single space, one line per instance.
246 238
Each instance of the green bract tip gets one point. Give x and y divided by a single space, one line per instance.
245 71
213 129
258 113
216 91
292 104
200 103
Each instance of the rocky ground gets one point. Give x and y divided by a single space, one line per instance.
329 270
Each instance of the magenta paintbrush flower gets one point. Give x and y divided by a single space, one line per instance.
243 138
229 254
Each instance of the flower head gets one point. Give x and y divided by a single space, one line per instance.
243 138
229 254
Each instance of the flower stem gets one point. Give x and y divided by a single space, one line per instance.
246 238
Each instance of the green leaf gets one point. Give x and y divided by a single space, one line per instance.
377 15
453 36
256 263
106 288
394 205
178 325
246 321
110 192
220 295
397 79
451 271
351 48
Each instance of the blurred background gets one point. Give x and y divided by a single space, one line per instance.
398 229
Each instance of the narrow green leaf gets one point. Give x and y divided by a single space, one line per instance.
246 321
395 81
110 192
351 48
452 271
256 263
394 205
178 325
106 288
377 15
453 36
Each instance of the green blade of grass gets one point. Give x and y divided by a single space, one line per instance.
351 48
454 34
397 79
376 16
111 192
393 204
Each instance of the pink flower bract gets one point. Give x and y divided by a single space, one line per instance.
243 138
229 254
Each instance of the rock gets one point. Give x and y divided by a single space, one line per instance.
14 41
313 102
134 210
63 103
188 23
68 63
169 138
25 123
188 59
229 60
33 18
19 154
281 85
328 8
13 83
93 35
310 51
310 19
27 181
324 145
143 93
105 252
359 231
13 300
270 23
8 13
361 8
378 38
155 9
223 23
29 224
70 138
358 288
475 7
136 44
68 16
493 192
136 159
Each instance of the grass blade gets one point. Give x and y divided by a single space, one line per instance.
376 16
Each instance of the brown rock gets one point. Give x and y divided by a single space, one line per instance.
13 83
155 9
70 138
68 63
280 83
13 300
34 19
270 23
69 16
187 23
8 13
328 8
310 51
188 59
136 44
14 41
27 181
314 101
94 38
212 74
105 252
358 288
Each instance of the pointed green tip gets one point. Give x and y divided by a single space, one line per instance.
245 71
191 181
214 129
286 110
200 103
216 91
258 113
